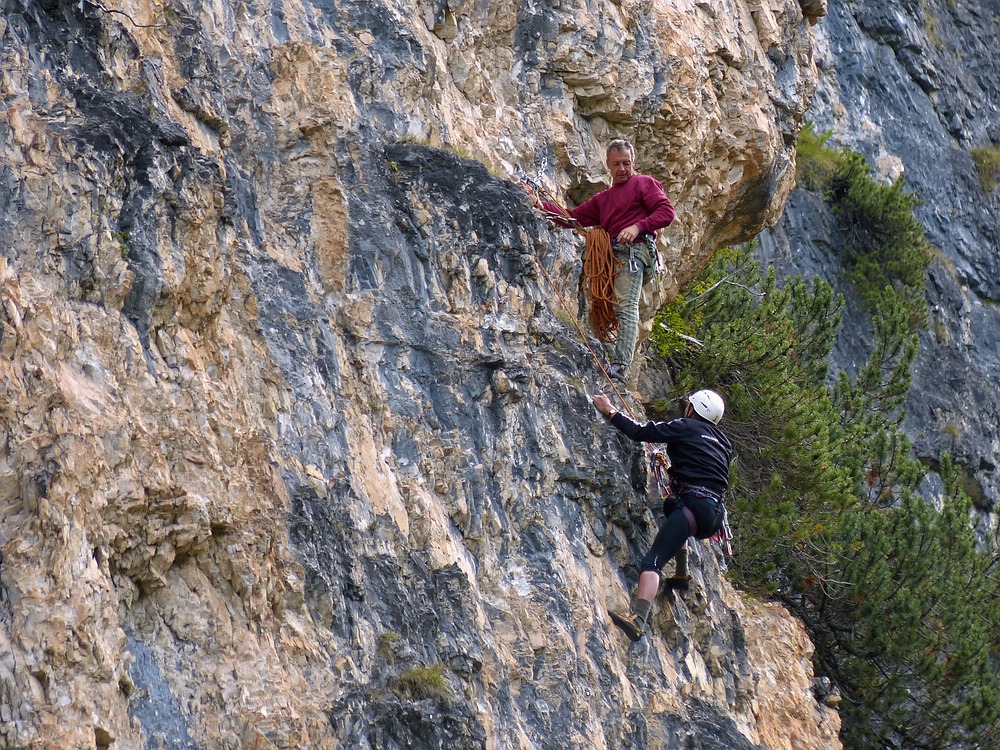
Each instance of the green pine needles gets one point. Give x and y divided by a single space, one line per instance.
902 603
908 621
884 244
816 164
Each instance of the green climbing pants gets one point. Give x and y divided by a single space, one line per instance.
635 268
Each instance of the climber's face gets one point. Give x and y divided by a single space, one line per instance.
620 164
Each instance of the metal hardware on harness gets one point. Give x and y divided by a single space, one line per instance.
658 465
725 533
633 264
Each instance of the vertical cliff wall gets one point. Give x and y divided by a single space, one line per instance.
296 449
914 87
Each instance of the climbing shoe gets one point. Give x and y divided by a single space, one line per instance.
618 372
629 624
677 583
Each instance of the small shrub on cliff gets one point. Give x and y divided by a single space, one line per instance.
885 244
987 161
423 682
677 323
815 162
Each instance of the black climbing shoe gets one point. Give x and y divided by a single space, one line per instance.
618 372
677 583
629 625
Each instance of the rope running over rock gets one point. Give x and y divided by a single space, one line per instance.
599 267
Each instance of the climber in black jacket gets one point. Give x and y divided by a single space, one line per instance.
700 455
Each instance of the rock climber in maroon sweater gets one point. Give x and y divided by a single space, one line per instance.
630 211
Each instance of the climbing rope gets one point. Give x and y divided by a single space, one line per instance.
599 284
599 267
599 274
583 336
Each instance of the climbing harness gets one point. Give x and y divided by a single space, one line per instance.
658 466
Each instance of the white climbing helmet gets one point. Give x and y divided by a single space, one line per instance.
707 405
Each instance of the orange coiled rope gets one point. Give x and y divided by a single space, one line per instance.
598 273
599 284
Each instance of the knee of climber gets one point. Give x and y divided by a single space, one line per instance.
674 531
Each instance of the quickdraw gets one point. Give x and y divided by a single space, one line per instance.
725 534
658 467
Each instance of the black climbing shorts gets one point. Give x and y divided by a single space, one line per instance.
708 512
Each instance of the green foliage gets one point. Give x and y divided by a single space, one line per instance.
387 643
678 322
674 332
885 244
906 625
421 683
931 27
815 163
987 160
897 596
765 348
122 238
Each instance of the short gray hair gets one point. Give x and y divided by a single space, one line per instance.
619 144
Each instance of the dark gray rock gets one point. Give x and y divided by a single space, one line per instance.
154 705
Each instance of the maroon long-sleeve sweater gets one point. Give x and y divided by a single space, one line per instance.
640 201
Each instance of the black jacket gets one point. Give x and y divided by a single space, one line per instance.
699 452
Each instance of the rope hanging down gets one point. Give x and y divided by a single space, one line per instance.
565 217
583 337
599 284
